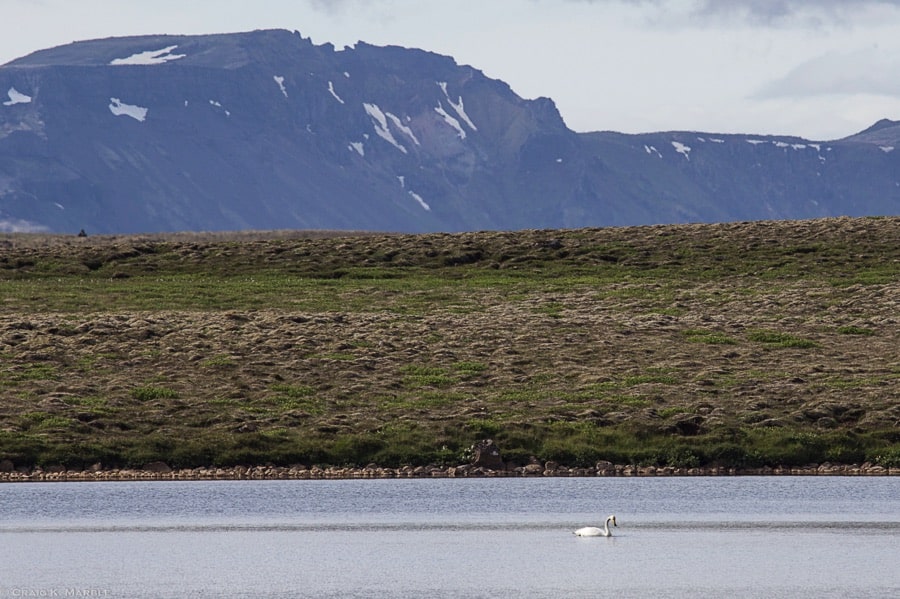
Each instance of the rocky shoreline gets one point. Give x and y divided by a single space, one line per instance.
161 471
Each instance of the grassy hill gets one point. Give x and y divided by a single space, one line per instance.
744 344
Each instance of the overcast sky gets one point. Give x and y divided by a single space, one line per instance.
819 69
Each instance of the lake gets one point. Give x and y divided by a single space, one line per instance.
453 538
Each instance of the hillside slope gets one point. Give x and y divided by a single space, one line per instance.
747 344
265 130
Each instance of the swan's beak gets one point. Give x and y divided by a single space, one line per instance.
614 522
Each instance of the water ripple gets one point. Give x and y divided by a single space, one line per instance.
871 527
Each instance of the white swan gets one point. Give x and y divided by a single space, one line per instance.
593 531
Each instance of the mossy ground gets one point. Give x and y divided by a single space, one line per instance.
737 344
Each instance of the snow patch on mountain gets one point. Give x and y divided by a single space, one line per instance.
357 146
119 108
380 123
280 82
150 57
218 104
406 130
16 97
334 93
458 106
419 199
682 149
451 121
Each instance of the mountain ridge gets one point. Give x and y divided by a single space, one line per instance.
266 130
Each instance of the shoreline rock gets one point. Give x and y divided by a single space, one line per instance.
160 471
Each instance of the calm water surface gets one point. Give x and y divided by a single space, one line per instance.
677 537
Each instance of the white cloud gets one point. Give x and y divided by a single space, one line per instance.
870 71
15 225
755 13
789 12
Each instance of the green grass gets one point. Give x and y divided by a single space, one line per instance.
294 397
470 368
570 443
35 372
666 413
293 391
425 376
708 337
218 362
151 392
643 379
776 339
855 330
36 421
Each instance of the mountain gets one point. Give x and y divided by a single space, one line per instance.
265 130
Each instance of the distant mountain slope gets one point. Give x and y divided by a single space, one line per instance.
266 130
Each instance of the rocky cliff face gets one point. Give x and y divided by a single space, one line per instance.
266 130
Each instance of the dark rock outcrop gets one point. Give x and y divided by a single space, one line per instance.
486 454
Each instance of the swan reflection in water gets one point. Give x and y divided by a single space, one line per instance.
593 531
